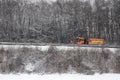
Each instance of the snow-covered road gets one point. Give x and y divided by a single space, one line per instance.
45 48
60 77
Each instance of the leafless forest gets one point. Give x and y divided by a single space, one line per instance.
59 21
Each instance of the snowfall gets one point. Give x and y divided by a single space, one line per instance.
67 76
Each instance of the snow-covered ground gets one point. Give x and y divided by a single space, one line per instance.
45 48
60 77
66 76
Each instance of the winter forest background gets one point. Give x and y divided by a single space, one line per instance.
59 21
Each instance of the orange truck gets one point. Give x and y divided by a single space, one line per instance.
81 40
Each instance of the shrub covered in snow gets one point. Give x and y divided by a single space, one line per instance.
29 60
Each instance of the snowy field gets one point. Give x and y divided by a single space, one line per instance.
60 77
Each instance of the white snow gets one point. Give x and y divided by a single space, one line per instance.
68 76
45 48
29 67
59 77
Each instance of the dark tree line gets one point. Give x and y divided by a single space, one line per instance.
59 21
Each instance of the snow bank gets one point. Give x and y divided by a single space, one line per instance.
60 77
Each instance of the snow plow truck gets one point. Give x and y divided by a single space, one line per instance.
81 40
